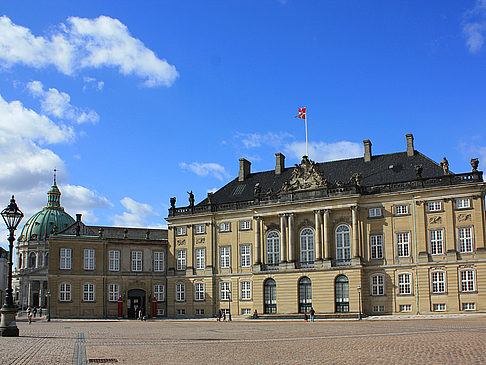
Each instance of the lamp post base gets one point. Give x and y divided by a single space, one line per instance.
8 326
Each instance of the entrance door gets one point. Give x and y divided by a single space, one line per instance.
136 301
342 294
270 293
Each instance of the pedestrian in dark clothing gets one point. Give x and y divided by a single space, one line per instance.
312 314
219 315
224 316
306 317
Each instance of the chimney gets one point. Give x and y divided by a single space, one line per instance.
244 169
78 217
410 151
279 163
367 150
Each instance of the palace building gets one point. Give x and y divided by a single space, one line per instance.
384 234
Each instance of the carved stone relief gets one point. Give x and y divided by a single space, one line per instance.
464 217
200 240
181 242
435 220
305 177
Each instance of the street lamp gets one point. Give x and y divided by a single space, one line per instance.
12 217
48 306
359 302
229 305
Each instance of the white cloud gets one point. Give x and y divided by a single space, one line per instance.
84 43
253 140
136 215
205 169
57 104
323 151
213 190
474 27
91 82
78 199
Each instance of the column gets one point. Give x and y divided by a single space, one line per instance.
257 250
318 243
291 238
29 298
41 293
283 238
327 246
355 244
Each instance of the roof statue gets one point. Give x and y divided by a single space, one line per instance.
305 177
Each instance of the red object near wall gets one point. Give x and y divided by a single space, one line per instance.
120 307
154 307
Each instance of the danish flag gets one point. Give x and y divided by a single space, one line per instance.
301 113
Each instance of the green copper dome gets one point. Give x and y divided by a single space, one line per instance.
51 218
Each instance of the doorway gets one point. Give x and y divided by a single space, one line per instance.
342 294
135 302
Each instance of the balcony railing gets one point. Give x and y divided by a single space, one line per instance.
341 262
306 264
270 267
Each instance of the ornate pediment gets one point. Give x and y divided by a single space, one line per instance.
305 177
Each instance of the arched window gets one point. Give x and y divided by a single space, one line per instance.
307 246
342 293
305 295
19 264
46 259
273 248
343 243
32 259
270 296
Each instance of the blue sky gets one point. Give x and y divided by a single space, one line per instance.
135 102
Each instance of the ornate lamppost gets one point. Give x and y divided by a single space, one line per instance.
12 217
48 306
359 301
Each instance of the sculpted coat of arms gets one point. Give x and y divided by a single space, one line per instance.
305 177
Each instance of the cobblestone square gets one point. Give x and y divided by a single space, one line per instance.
452 340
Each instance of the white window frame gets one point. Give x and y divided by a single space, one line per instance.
376 246
181 230
65 258
225 257
436 239
65 292
405 283
89 259
466 239
225 227
273 248
401 209
199 311
403 244
181 259
200 258
377 283
180 292
434 206
181 312
375 212
159 261
245 225
463 203
159 292
469 306
225 290
343 243
405 308
245 255
245 311
467 280
199 291
307 245
113 292
439 307
114 260
199 228
137 261
438 282
88 292
378 308
245 290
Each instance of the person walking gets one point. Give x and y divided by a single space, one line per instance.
219 316
35 311
224 316
29 314
40 311
312 314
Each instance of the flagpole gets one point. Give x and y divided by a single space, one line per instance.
306 141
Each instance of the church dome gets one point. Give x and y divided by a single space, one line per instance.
50 219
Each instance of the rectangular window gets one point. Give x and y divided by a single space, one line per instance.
199 291
245 255
199 312
181 231
401 209
181 312
404 284
378 308
200 258
245 311
89 259
65 292
440 307
66 258
114 260
405 307
246 290
376 243
136 260
160 312
113 292
88 292
463 203
225 290
434 206
403 244
436 241
225 227
467 281
378 285
438 282
224 257
159 292
468 306
465 239
245 225
374 212
159 261
180 292
181 259
200 228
